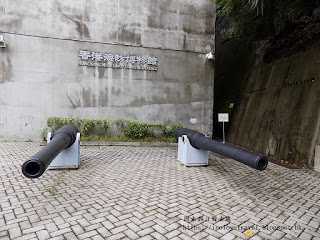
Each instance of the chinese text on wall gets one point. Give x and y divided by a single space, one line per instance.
108 60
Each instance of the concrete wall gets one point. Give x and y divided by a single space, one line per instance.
279 113
317 159
41 77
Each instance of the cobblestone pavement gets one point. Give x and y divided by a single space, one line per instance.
145 193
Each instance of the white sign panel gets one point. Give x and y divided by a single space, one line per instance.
223 117
108 60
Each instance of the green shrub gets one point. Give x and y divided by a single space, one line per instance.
97 130
137 130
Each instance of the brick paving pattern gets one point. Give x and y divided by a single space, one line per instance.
145 193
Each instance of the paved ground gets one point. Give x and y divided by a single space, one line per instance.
144 193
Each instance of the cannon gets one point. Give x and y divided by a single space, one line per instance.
200 141
61 139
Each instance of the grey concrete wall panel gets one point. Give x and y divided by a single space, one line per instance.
41 77
175 24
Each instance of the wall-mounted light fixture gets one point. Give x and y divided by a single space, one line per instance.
210 56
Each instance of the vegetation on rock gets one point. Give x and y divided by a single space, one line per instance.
260 19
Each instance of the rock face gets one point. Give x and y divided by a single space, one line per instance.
275 93
233 63
279 112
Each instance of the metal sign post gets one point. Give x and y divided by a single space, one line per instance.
223 117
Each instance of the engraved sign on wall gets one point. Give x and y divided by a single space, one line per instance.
110 60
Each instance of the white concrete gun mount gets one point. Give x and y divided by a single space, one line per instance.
200 141
63 138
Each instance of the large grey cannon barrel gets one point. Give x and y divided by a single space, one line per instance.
38 163
199 141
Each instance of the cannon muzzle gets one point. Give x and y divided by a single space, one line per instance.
60 140
200 141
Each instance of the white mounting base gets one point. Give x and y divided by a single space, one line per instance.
189 155
68 158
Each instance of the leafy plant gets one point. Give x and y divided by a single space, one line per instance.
252 199
44 133
97 130
137 130
168 130
120 124
105 126
87 126
253 17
